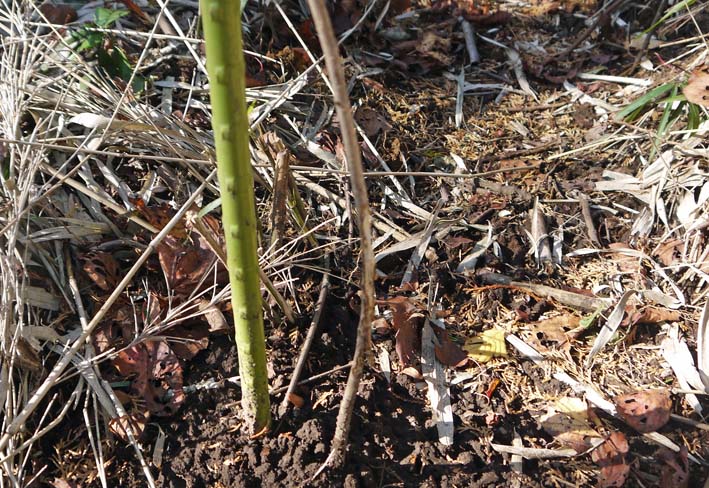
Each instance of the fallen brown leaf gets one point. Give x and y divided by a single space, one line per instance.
675 472
697 88
610 456
101 268
134 423
645 411
448 352
156 375
407 321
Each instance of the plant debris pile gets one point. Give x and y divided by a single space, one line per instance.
538 180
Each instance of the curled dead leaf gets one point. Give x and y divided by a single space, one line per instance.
133 423
645 411
407 322
610 456
567 421
447 351
296 400
101 268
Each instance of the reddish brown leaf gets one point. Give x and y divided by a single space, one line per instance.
610 456
101 268
296 400
115 332
186 341
675 472
669 251
447 351
453 242
407 323
186 261
159 216
645 411
133 7
654 315
156 375
399 6
61 14
371 121
554 329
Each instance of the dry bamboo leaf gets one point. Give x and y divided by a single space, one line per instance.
438 392
611 325
703 345
676 352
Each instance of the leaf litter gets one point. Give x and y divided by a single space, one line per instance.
569 225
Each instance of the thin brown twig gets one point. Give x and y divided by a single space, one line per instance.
497 156
588 219
310 337
328 43
315 377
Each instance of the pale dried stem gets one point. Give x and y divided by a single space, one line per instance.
329 45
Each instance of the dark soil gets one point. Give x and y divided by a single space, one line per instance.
392 441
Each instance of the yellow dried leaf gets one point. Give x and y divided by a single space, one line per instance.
486 346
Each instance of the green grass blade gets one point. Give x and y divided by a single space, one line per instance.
631 111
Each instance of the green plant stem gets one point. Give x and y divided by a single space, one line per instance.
225 64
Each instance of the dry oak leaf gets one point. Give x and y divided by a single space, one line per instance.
567 421
102 268
645 411
610 456
156 375
697 88
555 328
